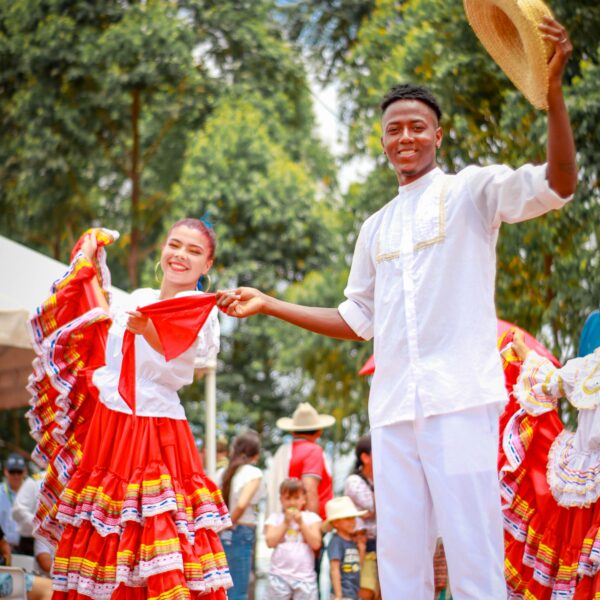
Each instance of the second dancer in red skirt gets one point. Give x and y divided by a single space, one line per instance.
126 500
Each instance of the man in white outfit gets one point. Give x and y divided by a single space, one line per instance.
422 285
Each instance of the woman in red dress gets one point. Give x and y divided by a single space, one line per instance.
126 501
550 477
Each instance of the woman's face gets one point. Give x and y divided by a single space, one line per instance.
185 257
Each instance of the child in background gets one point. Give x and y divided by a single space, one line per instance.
347 548
295 534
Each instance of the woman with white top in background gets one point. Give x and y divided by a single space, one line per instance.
241 483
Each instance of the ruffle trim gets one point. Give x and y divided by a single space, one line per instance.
574 477
537 558
535 387
77 578
58 474
586 381
54 312
58 384
516 439
62 404
95 566
62 330
98 591
109 503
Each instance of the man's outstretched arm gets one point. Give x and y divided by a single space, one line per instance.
562 166
244 302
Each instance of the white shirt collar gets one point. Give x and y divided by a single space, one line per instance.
423 181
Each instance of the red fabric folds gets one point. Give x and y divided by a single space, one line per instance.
177 322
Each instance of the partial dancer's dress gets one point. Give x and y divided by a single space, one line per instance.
126 501
550 479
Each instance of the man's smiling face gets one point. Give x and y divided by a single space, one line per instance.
410 139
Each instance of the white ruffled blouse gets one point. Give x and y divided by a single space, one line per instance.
157 381
574 458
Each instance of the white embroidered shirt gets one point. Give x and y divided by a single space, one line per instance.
422 285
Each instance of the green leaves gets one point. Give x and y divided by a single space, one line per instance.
548 279
270 232
133 114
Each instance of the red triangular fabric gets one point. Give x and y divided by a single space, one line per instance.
177 322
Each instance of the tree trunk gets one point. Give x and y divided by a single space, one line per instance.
134 249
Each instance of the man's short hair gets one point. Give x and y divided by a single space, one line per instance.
410 91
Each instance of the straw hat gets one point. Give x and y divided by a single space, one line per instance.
305 418
508 29
342 507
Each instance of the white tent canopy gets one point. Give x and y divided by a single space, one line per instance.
26 277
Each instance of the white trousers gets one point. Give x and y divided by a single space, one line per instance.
437 476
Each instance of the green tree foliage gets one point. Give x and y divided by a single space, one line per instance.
98 100
328 29
244 173
547 268
91 103
143 112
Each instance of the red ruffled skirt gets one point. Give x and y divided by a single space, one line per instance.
139 513
551 552
125 499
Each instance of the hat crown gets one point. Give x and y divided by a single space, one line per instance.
341 507
306 416
508 29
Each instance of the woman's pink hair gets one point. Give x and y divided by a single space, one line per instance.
200 226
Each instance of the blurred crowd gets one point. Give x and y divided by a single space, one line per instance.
304 520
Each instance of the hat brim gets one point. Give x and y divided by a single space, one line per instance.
508 29
322 422
347 515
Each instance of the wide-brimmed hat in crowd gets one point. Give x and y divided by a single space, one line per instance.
305 418
342 507
508 29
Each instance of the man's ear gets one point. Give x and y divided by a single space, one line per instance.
439 135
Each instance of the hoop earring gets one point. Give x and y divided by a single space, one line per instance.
157 273
200 286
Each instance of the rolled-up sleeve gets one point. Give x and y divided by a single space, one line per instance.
358 308
502 194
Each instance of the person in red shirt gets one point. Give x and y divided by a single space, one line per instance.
307 461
